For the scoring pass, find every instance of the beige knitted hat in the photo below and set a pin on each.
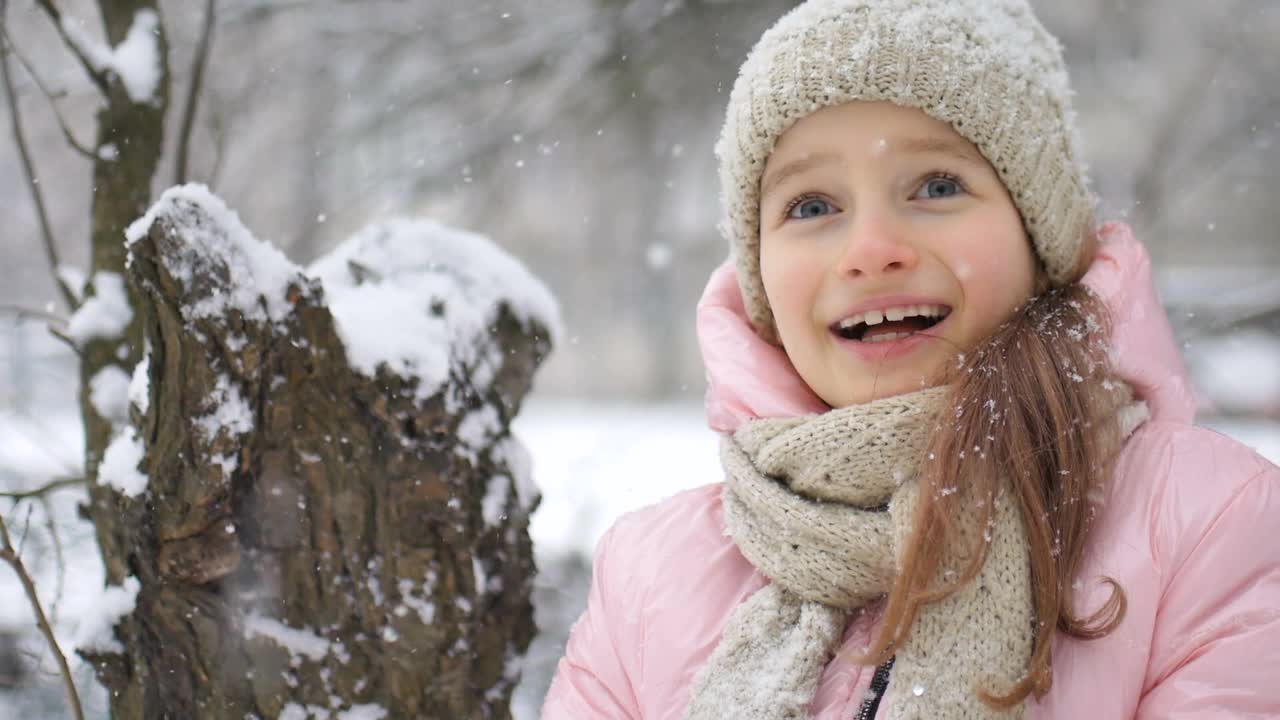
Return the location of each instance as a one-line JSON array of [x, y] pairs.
[[986, 67]]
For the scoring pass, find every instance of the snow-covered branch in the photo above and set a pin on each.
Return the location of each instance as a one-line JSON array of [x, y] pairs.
[[14, 559], [94, 72]]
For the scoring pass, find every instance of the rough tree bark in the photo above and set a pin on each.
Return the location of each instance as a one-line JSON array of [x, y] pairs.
[[328, 547], [134, 132]]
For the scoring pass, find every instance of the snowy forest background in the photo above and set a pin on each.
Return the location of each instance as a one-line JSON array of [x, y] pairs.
[[577, 135]]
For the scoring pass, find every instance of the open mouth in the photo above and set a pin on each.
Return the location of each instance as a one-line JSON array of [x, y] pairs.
[[889, 324]]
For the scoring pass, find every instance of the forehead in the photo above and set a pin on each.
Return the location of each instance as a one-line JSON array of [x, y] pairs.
[[861, 132], [874, 127]]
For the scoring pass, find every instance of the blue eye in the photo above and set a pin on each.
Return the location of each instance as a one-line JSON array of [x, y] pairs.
[[809, 208], [940, 186]]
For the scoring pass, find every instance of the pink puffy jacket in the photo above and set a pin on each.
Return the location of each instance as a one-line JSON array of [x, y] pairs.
[[1189, 531]]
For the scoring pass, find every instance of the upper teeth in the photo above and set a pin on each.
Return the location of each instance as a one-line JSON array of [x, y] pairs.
[[875, 317]]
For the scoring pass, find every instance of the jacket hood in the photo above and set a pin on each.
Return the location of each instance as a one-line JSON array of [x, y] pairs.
[[749, 378]]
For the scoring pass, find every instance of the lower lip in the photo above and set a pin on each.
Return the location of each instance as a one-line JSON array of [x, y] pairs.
[[885, 349]]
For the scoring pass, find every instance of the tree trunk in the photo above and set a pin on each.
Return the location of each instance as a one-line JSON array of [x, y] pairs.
[[121, 193], [311, 539]]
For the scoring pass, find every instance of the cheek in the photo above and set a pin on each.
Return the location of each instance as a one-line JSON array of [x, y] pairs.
[[995, 281], [784, 283]]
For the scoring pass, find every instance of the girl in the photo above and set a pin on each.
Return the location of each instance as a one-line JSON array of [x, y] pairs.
[[960, 475]]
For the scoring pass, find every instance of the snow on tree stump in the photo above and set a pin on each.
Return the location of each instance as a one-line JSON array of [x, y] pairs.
[[318, 499]]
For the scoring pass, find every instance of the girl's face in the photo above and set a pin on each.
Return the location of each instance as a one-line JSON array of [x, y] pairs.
[[888, 245]]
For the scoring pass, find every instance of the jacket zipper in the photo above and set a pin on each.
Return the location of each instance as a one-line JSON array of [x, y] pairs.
[[879, 682]]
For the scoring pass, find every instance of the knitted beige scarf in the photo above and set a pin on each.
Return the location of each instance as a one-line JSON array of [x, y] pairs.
[[819, 505]]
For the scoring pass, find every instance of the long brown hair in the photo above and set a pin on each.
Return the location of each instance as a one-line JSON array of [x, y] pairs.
[[1035, 409]]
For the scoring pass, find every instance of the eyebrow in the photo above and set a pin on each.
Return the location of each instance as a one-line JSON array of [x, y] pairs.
[[793, 168], [956, 149]]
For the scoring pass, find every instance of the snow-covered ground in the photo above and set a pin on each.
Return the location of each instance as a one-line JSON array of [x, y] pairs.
[[593, 462], [1238, 373]]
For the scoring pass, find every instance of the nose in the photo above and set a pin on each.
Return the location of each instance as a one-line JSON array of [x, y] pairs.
[[876, 245]]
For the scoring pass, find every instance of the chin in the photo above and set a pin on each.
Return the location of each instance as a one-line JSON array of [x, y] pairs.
[[862, 397], [879, 391]]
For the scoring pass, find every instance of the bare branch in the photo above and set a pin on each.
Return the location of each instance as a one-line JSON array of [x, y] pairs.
[[65, 338], [51, 96], [193, 93], [43, 490], [1211, 169], [219, 131], [15, 561], [59, 559], [19, 137], [98, 77], [25, 313], [262, 10], [26, 529]]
